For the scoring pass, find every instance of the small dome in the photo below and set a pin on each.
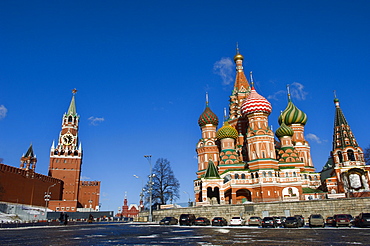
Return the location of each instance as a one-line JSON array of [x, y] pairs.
[[255, 103], [208, 117], [292, 115], [238, 57], [227, 131], [284, 130]]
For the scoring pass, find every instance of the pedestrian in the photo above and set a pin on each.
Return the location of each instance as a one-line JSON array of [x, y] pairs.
[[90, 219], [61, 217], [65, 218]]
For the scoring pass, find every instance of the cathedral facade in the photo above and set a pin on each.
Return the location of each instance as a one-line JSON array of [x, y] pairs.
[[243, 161]]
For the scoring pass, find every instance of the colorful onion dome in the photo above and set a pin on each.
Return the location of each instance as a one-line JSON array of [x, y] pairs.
[[292, 115], [284, 130], [207, 117], [255, 103], [227, 131]]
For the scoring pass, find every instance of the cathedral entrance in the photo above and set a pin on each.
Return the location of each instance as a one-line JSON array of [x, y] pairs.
[[243, 195], [213, 195]]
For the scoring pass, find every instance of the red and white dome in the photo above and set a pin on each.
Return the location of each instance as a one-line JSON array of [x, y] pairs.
[[255, 103]]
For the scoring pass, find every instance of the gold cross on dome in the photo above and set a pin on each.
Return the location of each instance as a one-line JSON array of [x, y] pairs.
[[74, 91]]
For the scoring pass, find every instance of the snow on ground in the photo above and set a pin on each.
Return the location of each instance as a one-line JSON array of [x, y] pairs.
[[4, 218]]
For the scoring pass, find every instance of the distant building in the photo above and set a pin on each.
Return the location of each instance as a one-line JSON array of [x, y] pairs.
[[129, 211]]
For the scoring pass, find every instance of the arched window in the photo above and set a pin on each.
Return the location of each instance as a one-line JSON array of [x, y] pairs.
[[243, 176], [305, 176], [351, 155], [236, 176], [286, 174], [340, 156], [257, 175], [270, 174], [294, 174], [263, 174], [70, 119], [252, 175]]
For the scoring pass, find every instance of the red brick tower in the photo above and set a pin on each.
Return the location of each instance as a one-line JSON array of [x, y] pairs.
[[66, 158]]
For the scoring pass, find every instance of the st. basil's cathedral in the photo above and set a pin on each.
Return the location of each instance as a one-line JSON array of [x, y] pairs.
[[243, 161]]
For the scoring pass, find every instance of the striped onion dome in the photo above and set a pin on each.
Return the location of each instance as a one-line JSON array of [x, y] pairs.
[[207, 117], [292, 115], [255, 103], [284, 130], [227, 131]]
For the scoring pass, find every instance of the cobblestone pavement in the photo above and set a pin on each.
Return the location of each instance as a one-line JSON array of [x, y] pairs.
[[146, 234]]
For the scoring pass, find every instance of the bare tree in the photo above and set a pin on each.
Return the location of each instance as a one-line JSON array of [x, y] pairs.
[[367, 155], [165, 185]]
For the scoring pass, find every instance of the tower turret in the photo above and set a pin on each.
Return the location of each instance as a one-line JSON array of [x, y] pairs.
[[29, 160]]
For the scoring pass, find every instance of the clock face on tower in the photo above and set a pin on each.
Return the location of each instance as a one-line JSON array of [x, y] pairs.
[[67, 139]]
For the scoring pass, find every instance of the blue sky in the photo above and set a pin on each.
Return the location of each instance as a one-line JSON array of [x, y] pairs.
[[142, 70]]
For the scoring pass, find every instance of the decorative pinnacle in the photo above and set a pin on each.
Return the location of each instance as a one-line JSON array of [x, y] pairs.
[[288, 89], [207, 98], [251, 75], [237, 48], [335, 94], [74, 91]]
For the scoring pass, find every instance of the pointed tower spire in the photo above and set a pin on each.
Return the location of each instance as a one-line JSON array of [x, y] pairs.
[[72, 105], [28, 160], [211, 171]]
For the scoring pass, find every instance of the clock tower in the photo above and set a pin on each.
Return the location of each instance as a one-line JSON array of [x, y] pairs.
[[66, 156]]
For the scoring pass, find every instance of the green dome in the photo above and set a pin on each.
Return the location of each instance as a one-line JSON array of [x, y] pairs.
[[207, 117], [227, 131], [292, 115], [284, 130]]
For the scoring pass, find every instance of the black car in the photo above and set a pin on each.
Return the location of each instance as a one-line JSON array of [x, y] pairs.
[[300, 220], [269, 222], [291, 222], [187, 219], [168, 221], [202, 221], [362, 220], [219, 221]]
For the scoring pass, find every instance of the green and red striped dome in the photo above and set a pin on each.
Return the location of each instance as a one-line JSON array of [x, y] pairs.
[[207, 117]]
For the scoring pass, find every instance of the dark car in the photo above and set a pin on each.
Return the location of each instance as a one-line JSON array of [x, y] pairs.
[[291, 222], [219, 221], [342, 220], [329, 220], [255, 220], [300, 220], [269, 222], [316, 220], [202, 221], [362, 220], [187, 219], [168, 221]]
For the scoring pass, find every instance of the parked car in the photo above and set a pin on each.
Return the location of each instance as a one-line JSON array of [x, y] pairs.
[[269, 222], [237, 221], [316, 220], [187, 219], [169, 221], [291, 222], [362, 220], [329, 220], [202, 221], [255, 220], [278, 220], [342, 220], [300, 220], [219, 221]]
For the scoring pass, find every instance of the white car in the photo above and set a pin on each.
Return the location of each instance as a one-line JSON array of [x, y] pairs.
[[237, 221]]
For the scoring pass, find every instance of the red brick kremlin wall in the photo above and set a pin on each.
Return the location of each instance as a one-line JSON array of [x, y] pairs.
[[27, 187]]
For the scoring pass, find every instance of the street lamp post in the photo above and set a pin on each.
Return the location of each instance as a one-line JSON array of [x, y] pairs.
[[47, 199], [189, 202], [149, 158], [141, 193]]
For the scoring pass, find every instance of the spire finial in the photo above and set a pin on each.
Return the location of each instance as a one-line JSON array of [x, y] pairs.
[[251, 75], [335, 94], [207, 98], [288, 89], [225, 115], [74, 91], [237, 48]]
